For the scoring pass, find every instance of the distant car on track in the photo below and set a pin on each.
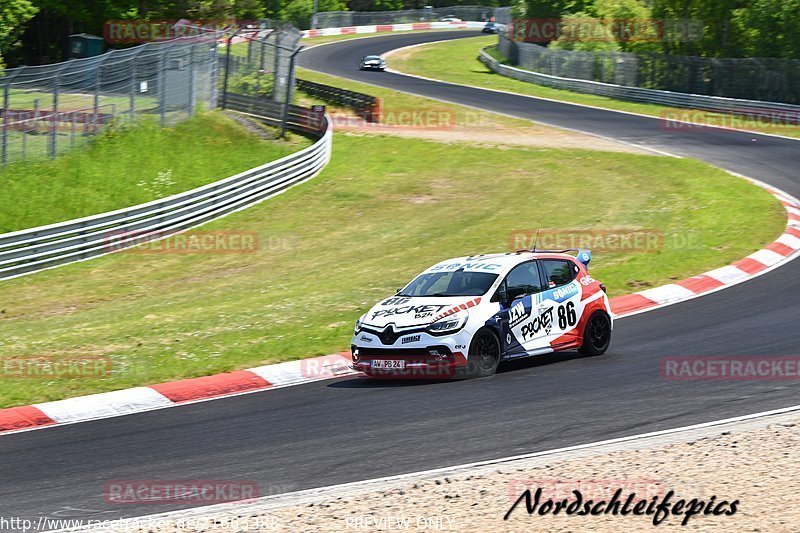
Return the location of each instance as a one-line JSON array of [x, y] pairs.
[[491, 27], [372, 63], [450, 18], [461, 317]]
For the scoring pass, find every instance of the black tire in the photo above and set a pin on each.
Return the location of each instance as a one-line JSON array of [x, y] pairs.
[[596, 334], [484, 354]]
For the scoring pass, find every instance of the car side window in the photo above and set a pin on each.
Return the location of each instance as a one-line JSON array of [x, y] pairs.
[[524, 277], [559, 272]]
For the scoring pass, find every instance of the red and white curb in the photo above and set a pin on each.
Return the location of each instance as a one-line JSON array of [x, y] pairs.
[[379, 28], [371, 28], [780, 251], [163, 395]]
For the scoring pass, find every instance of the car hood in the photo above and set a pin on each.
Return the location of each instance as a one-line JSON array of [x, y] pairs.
[[404, 311]]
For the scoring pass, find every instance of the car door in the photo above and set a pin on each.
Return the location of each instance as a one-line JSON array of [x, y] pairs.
[[561, 299], [524, 326]]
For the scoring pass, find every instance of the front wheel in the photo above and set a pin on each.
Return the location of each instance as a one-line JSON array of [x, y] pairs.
[[596, 334], [484, 354]]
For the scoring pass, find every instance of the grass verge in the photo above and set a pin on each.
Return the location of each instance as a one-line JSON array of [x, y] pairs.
[[456, 61], [383, 209], [395, 103], [128, 165]]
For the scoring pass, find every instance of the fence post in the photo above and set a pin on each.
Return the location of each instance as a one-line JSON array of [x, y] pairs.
[[52, 141], [192, 88], [36, 107], [227, 69], [288, 95], [6, 97], [162, 84], [97, 82], [213, 78], [133, 87]]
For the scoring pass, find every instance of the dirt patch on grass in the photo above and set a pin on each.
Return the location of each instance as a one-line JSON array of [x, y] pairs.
[[495, 136]]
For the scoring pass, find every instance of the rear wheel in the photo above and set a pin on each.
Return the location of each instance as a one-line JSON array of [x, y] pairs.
[[484, 354], [596, 334]]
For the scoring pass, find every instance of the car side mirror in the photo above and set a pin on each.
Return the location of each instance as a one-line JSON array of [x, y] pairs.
[[512, 293]]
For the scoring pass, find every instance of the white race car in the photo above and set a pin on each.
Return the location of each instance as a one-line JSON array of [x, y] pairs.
[[461, 317]]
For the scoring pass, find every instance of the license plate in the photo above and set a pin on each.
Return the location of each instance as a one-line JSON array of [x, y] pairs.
[[388, 364]]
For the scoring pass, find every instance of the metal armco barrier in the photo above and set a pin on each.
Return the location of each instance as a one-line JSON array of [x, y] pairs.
[[787, 112], [365, 106], [34, 249]]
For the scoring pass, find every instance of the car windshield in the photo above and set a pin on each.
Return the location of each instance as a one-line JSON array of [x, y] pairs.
[[457, 283], [370, 58]]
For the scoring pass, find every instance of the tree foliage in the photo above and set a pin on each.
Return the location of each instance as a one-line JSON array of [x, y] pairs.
[[712, 28], [13, 15]]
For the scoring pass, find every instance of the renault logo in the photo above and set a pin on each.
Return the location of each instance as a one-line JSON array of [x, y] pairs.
[[388, 335]]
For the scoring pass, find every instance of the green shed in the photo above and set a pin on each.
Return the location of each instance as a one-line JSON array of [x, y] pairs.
[[85, 45]]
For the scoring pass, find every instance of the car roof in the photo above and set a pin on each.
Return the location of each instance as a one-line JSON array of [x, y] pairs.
[[495, 263]]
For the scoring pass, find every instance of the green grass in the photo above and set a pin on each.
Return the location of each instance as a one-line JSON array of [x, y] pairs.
[[128, 165], [398, 102], [383, 209], [456, 61]]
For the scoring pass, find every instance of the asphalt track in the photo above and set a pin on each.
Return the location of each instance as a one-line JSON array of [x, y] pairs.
[[352, 429]]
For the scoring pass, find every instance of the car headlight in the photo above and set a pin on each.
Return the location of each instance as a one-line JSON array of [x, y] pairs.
[[359, 324], [447, 326]]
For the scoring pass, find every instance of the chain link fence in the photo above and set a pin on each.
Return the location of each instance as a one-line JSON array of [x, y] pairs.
[[764, 79], [261, 63], [338, 19], [49, 109]]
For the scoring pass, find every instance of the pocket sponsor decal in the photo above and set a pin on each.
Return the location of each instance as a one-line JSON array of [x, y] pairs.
[[416, 309], [542, 322], [410, 338]]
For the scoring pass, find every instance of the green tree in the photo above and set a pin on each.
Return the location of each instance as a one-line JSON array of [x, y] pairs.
[[770, 28], [13, 16], [299, 12], [583, 33]]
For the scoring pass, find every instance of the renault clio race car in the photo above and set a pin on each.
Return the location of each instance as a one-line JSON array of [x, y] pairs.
[[462, 316]]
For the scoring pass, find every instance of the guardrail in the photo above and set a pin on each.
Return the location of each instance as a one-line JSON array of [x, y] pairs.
[[34, 249], [719, 104], [365, 106]]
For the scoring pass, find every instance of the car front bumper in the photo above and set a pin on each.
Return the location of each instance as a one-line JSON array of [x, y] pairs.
[[431, 362]]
